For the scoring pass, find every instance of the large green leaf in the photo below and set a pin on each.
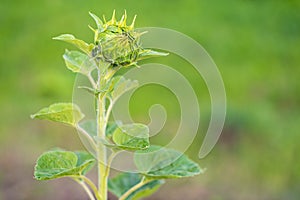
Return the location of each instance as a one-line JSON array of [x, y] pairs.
[[57, 164], [161, 163], [87, 48], [79, 62], [131, 136], [67, 113], [124, 181], [119, 85]]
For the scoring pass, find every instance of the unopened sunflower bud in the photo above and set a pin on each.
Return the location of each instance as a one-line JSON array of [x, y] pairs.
[[118, 44]]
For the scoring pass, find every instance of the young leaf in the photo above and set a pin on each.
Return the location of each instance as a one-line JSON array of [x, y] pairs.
[[80, 44], [67, 113], [98, 21], [89, 90], [161, 163], [79, 62], [148, 53], [120, 85], [124, 181], [57, 164], [131, 136]]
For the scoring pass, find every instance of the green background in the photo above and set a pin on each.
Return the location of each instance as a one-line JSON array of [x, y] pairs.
[[255, 45]]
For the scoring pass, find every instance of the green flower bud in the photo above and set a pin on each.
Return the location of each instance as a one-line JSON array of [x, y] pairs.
[[118, 44]]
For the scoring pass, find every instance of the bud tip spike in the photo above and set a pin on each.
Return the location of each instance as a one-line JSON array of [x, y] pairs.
[[133, 21]]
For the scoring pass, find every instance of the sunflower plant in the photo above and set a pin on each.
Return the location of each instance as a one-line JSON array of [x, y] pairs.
[[116, 45]]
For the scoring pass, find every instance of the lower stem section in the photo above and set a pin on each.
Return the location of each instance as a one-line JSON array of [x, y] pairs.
[[102, 182], [101, 150]]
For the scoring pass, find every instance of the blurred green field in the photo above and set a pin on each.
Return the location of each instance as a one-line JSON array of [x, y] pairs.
[[255, 44]]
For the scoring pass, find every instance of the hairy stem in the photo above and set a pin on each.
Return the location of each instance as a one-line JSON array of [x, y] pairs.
[[92, 186], [92, 81], [110, 159], [109, 109], [102, 119], [85, 187], [91, 141], [101, 151], [83, 180]]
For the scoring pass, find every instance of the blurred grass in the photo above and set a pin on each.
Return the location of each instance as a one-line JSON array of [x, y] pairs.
[[254, 43]]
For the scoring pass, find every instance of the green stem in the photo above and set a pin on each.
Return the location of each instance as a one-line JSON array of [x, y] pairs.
[[101, 121], [85, 187], [109, 109], [87, 135], [92, 81], [86, 180], [134, 188], [92, 186], [110, 159]]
